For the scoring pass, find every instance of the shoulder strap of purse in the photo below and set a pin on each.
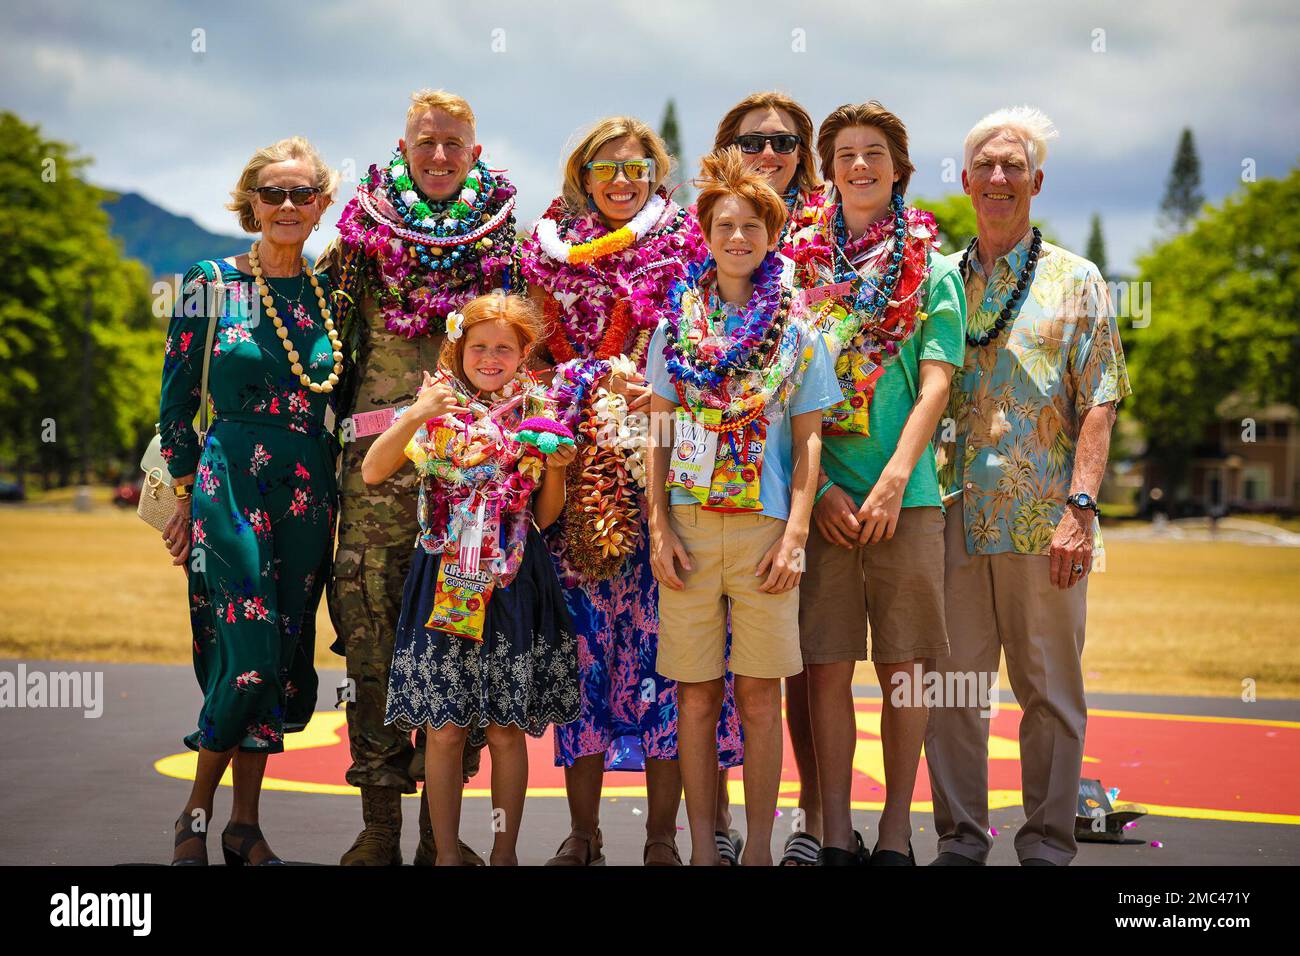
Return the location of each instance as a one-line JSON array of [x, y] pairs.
[[216, 307]]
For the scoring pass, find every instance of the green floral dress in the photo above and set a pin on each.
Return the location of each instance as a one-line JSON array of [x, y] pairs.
[[263, 508]]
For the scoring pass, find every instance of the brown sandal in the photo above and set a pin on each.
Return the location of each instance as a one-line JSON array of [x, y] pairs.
[[672, 848], [590, 853]]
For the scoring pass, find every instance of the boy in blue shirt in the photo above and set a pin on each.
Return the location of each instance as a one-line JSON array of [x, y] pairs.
[[743, 384]]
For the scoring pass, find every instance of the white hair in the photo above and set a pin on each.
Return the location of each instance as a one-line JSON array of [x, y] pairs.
[[1029, 124]]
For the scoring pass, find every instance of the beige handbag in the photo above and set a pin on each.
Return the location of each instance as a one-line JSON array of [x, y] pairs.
[[157, 499]]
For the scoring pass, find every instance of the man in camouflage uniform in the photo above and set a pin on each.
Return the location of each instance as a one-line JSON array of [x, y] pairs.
[[392, 319]]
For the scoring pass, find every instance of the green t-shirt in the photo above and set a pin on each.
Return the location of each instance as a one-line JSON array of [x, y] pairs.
[[854, 462]]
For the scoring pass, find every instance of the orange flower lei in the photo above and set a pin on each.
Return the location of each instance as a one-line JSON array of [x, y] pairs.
[[611, 344]]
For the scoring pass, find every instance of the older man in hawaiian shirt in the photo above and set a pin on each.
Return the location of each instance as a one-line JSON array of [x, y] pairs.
[[1021, 460]]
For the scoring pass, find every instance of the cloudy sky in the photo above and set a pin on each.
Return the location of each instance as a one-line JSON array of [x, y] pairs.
[[123, 81]]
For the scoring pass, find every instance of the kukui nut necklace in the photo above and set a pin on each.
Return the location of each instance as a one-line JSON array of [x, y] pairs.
[[1012, 306], [263, 290]]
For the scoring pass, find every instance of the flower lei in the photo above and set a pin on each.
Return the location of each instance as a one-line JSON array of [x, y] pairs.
[[487, 454], [751, 368], [604, 301], [548, 235], [586, 318], [422, 259], [887, 267], [697, 354]]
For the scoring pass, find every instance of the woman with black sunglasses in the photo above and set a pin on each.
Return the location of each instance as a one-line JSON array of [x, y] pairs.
[[256, 496], [775, 137], [600, 264]]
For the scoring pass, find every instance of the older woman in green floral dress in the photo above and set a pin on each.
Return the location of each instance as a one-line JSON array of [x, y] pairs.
[[255, 519]]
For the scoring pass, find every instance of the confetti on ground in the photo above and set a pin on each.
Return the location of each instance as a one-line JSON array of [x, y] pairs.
[[1113, 793], [993, 831], [637, 811], [1157, 844]]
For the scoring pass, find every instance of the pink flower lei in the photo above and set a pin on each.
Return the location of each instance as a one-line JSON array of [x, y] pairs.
[[642, 273], [414, 299]]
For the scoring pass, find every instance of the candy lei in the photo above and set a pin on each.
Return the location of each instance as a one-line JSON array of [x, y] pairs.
[[806, 212], [479, 456], [738, 373], [420, 258]]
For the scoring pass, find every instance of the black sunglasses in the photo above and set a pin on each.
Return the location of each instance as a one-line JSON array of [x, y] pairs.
[[753, 143], [298, 195]]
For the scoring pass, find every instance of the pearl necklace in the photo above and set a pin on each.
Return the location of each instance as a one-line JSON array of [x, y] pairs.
[[336, 346]]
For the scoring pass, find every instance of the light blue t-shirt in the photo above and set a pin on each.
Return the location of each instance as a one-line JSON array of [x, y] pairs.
[[819, 390]]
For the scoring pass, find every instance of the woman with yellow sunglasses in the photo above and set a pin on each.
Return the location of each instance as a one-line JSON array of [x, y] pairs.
[[599, 265]]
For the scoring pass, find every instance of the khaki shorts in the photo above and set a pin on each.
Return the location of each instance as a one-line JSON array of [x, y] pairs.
[[725, 549], [897, 584]]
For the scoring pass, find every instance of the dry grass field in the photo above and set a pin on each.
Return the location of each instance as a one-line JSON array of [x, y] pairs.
[[1165, 618]]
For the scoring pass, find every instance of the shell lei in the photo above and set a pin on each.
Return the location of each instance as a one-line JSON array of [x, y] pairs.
[[602, 502], [604, 301], [463, 458]]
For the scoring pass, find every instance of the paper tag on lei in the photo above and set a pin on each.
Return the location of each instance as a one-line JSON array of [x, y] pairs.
[[460, 601], [787, 270], [376, 422], [695, 449], [819, 294]]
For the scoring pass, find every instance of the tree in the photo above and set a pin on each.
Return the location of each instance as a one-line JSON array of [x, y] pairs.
[[1224, 320], [1096, 251], [1183, 196], [672, 137], [79, 344]]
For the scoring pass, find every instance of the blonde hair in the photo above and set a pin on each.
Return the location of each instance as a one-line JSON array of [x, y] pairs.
[[873, 115], [295, 147], [602, 134], [805, 177], [1031, 126], [725, 174], [515, 311], [427, 99]]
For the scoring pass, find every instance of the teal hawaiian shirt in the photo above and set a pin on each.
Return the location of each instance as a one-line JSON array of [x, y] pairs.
[[1007, 442]]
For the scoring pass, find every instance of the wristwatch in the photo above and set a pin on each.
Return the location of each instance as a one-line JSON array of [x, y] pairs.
[[1084, 501]]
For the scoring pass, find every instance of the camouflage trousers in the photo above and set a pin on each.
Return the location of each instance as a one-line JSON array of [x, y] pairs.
[[365, 601]]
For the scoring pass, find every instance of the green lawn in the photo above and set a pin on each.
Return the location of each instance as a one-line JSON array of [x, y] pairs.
[[1166, 618]]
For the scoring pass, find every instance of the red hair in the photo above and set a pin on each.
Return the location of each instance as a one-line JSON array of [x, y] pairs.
[[516, 312], [723, 174]]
